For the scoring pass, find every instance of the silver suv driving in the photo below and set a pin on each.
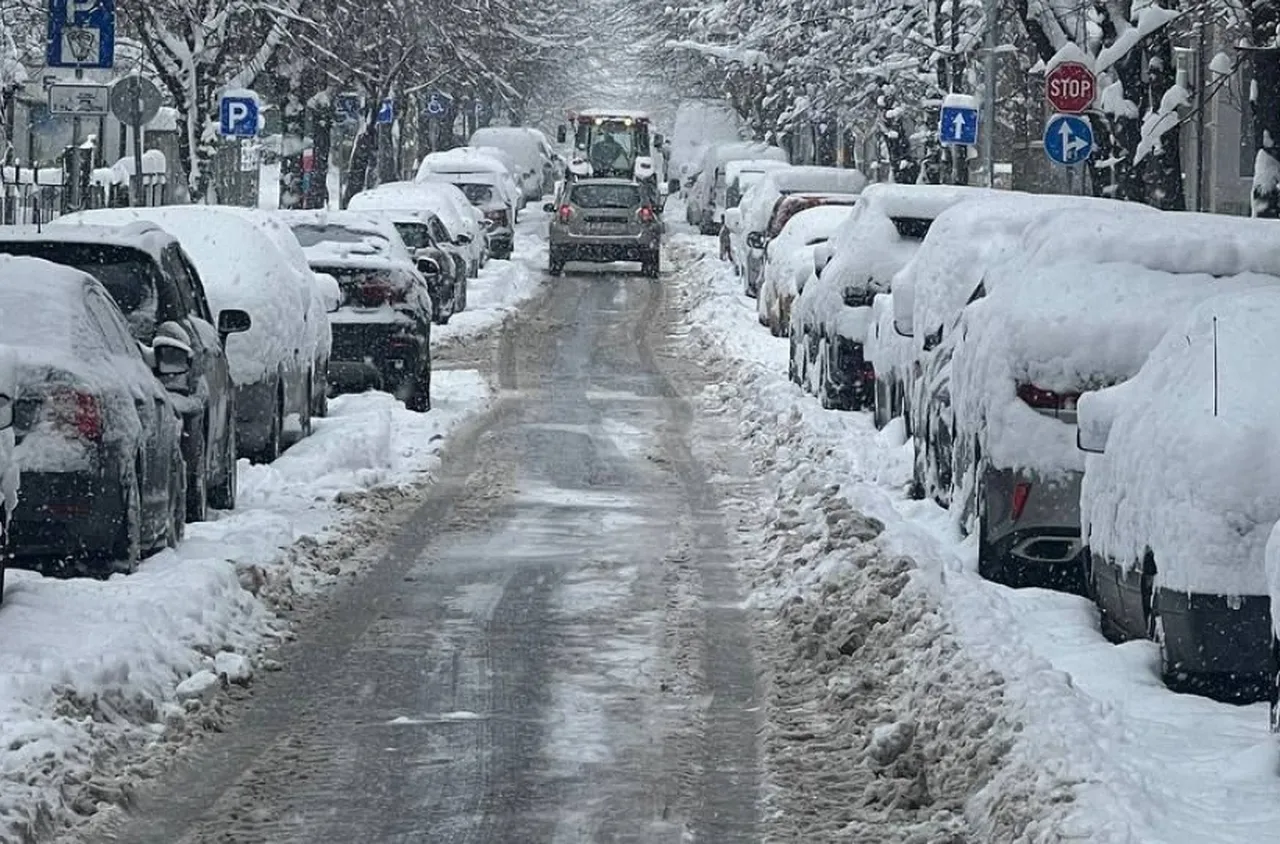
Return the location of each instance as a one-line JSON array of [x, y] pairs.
[[605, 220]]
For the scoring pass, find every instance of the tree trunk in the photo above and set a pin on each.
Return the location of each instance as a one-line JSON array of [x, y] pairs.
[[1265, 100], [195, 159], [362, 153], [322, 146], [1162, 171]]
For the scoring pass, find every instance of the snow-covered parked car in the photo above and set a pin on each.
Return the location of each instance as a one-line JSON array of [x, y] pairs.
[[740, 176], [158, 288], [930, 293], [273, 364], [425, 237], [831, 316], [382, 331], [486, 183], [528, 150], [789, 261], [1047, 326], [462, 220], [772, 201], [701, 207], [98, 437], [1178, 507]]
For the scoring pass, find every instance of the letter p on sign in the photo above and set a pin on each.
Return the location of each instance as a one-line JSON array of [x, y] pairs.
[[239, 117]]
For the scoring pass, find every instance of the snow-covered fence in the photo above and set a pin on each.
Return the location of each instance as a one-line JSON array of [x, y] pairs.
[[30, 194]]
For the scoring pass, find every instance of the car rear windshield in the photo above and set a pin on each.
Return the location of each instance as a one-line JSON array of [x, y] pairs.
[[312, 234], [127, 273], [475, 192], [415, 235], [606, 196]]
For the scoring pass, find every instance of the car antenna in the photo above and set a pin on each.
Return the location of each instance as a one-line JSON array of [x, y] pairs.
[[1215, 365]]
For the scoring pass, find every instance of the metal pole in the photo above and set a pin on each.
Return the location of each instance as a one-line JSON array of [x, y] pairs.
[[139, 197], [987, 141]]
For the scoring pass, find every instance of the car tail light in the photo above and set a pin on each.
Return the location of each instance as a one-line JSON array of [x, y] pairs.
[[1047, 400], [78, 411], [372, 294], [566, 213], [646, 214], [1021, 492]]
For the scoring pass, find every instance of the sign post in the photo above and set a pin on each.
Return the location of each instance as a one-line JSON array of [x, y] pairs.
[[135, 101]]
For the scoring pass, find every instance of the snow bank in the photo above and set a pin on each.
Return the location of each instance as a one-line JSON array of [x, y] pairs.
[[1196, 483], [241, 267]]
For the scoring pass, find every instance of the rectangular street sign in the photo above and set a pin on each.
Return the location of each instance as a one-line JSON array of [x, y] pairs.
[[81, 33], [79, 99], [958, 125]]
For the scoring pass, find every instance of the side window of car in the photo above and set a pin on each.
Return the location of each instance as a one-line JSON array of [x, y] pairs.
[[106, 316], [438, 232], [187, 283]]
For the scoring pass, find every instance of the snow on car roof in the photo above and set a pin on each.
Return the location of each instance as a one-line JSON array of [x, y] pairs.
[[241, 267], [964, 242], [1192, 459], [75, 227], [738, 167], [824, 179], [440, 197], [460, 160], [1064, 327]]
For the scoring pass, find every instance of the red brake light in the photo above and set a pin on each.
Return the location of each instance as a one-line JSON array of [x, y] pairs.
[[646, 214], [1021, 492], [1046, 399], [566, 213], [78, 411]]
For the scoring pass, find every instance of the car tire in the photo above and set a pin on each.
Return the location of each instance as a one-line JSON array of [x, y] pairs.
[[308, 404], [197, 486], [651, 267], [176, 529], [989, 567], [222, 495], [320, 397], [419, 400], [127, 549]]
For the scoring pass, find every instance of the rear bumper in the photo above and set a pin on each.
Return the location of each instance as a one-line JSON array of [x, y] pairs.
[[603, 249], [65, 515], [1041, 546], [1204, 636], [380, 356]]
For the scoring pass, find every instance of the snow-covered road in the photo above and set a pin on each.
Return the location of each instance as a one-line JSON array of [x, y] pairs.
[[914, 701], [90, 670]]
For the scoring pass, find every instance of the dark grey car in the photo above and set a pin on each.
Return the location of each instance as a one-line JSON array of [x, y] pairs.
[[605, 220]]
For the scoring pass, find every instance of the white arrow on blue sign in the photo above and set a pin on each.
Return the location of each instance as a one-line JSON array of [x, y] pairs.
[[238, 117], [387, 113], [958, 125], [1068, 139]]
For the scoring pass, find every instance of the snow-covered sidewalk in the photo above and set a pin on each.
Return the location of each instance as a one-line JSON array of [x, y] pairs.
[[910, 697], [91, 670]]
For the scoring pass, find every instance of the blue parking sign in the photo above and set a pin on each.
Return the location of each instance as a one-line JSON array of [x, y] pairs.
[[387, 113], [238, 117]]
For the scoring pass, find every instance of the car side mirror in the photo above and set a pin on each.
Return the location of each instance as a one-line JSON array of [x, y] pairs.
[[462, 240], [6, 412], [755, 240], [233, 321], [429, 268], [549, 207], [330, 292], [561, 134], [933, 340], [171, 357], [1094, 417]]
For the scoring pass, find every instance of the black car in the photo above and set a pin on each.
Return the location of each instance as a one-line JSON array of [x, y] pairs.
[[98, 437], [426, 237], [160, 293]]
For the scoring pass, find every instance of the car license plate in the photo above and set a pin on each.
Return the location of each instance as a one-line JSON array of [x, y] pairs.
[[606, 228]]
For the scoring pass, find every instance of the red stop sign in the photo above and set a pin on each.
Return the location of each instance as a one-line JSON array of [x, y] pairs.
[[1070, 88]]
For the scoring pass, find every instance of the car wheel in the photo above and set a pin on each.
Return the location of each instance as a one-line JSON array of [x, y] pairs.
[[320, 397], [555, 263], [222, 495], [1274, 688], [652, 267], [419, 400], [127, 549], [989, 566], [176, 529], [271, 450], [308, 405], [197, 472]]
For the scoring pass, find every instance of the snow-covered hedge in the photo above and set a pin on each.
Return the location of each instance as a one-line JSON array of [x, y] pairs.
[[1192, 463]]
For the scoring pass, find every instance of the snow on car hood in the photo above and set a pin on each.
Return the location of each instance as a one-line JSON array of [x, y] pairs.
[[1200, 488]]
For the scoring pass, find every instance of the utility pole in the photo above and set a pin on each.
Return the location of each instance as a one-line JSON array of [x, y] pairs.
[[987, 137]]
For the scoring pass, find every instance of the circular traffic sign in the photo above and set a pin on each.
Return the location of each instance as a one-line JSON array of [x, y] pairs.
[[1068, 139], [135, 100], [1070, 88]]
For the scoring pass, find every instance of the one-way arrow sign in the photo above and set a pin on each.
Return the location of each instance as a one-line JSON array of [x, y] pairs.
[[958, 123]]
